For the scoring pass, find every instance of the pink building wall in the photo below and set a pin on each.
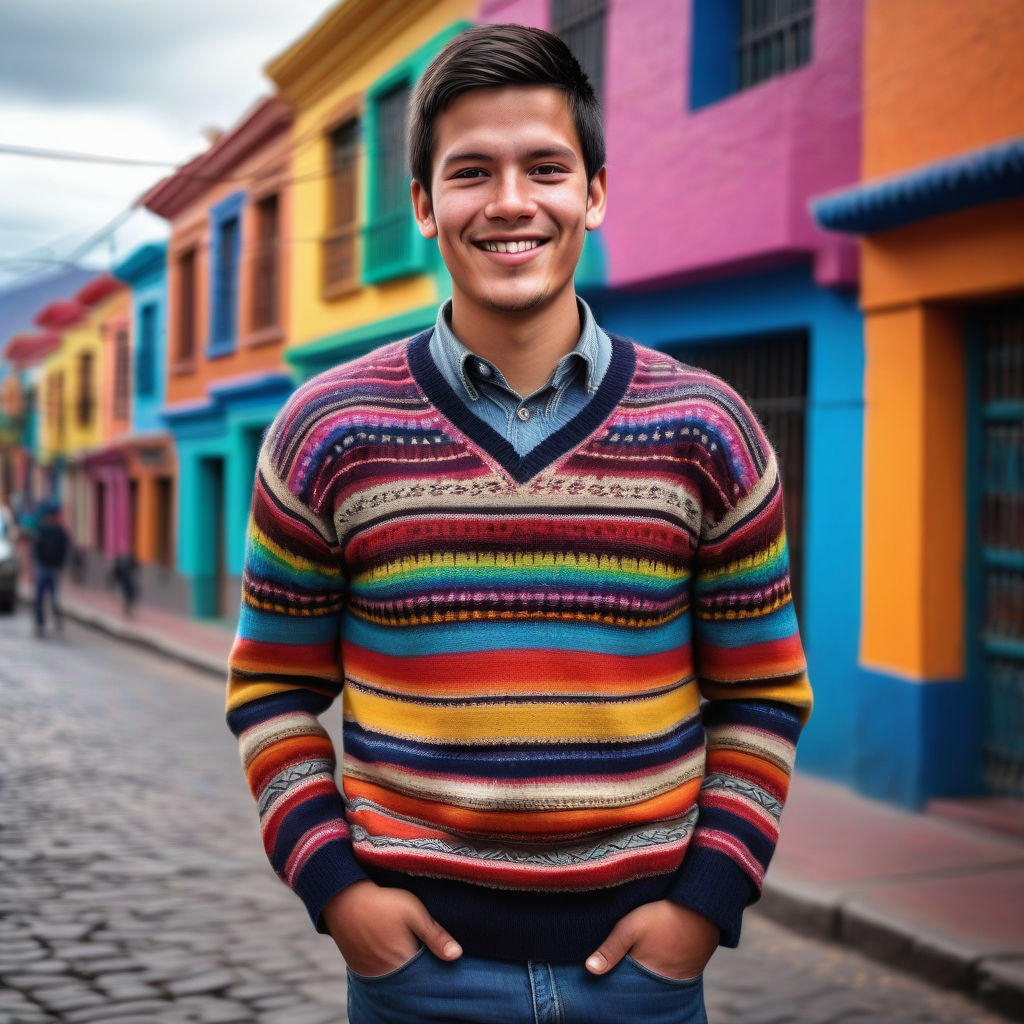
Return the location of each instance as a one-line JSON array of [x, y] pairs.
[[694, 194]]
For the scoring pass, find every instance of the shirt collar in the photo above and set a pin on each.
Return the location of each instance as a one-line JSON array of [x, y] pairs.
[[458, 364]]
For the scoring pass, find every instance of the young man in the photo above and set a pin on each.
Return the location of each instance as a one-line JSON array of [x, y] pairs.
[[522, 550]]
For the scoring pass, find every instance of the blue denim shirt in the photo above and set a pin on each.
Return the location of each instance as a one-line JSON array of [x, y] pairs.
[[523, 421]]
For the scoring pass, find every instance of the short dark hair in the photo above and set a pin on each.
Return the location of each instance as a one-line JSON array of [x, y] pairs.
[[492, 56]]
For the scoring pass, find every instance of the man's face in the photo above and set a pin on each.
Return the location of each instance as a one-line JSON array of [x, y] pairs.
[[510, 198]]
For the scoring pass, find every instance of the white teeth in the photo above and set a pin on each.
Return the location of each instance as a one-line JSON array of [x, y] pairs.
[[510, 246]]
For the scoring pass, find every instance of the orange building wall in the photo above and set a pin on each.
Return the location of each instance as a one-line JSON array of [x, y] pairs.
[[253, 354], [940, 77], [914, 467]]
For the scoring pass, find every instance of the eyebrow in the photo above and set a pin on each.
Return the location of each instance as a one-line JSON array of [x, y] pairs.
[[544, 153]]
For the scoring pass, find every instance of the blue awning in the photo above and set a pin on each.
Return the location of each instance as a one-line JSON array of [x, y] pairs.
[[971, 179]]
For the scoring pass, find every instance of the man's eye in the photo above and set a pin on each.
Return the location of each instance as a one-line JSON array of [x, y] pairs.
[[470, 172], [547, 169]]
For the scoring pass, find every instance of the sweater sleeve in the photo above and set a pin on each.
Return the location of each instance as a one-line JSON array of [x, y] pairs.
[[285, 671], [751, 671]]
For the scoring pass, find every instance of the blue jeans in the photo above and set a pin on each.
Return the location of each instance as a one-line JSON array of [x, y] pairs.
[[425, 990], [46, 584]]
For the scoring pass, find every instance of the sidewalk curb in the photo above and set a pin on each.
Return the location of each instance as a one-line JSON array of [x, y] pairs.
[[129, 633], [992, 978]]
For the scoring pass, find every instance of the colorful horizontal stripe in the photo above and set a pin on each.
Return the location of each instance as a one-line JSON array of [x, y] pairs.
[[521, 644]]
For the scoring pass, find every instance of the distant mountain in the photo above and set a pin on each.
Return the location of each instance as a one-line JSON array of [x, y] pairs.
[[20, 303]]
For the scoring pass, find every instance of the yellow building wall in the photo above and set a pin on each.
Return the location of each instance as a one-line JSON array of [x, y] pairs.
[[316, 112], [87, 336]]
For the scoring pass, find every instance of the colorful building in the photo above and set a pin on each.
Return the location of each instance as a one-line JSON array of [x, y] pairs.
[[939, 210], [227, 321], [361, 274], [76, 429], [150, 458], [722, 121]]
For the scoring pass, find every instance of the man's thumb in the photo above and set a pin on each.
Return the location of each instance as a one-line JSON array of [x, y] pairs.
[[437, 940], [611, 951]]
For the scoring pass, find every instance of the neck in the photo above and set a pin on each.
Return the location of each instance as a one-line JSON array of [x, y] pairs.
[[526, 345]]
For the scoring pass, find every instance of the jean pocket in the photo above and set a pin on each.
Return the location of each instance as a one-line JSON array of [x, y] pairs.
[[663, 978], [373, 979]]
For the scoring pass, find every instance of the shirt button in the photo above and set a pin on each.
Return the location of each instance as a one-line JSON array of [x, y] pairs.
[[483, 369], [523, 413]]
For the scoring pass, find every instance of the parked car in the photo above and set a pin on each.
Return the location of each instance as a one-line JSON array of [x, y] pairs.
[[9, 565]]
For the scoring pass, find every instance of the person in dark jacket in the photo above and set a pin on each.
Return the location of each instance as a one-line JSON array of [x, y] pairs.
[[50, 549]]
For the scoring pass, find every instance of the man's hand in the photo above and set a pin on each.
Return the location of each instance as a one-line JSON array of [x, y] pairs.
[[670, 939], [378, 930]]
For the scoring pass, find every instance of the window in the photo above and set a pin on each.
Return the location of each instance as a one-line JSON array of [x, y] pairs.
[[389, 242], [580, 23], [736, 44], [86, 393], [770, 372], [186, 307], [266, 263], [163, 511], [145, 355], [339, 245], [775, 37], [226, 238], [55, 403], [122, 374]]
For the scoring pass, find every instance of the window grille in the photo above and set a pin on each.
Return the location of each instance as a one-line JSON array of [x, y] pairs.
[[122, 374], [389, 237], [225, 282], [339, 244], [771, 374], [999, 545], [581, 25], [775, 37], [56, 404], [187, 306], [86, 393], [145, 356], [265, 280]]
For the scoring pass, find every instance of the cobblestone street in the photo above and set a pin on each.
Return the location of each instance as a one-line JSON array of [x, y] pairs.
[[134, 887]]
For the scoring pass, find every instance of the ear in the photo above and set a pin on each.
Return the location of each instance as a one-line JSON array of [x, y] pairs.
[[597, 197], [423, 210]]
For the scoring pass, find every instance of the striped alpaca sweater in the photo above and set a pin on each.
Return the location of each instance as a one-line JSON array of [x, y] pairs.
[[521, 644]]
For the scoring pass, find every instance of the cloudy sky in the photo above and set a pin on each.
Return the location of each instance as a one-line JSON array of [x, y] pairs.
[[139, 79]]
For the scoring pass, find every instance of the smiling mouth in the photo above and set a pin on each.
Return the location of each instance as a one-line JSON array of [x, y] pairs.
[[523, 246]]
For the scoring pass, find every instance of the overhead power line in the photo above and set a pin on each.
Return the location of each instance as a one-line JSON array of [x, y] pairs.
[[38, 153]]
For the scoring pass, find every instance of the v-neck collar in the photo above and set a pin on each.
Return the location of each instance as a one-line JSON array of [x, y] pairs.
[[523, 467]]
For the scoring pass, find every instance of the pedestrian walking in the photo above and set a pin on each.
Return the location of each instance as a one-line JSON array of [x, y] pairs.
[[123, 575], [546, 570], [50, 547]]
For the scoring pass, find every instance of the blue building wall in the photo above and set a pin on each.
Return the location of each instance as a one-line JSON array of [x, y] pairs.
[[776, 301], [218, 443], [145, 270]]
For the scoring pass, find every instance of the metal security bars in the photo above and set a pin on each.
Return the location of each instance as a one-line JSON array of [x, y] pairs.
[[580, 24], [186, 334], [1000, 535], [265, 265], [225, 281], [771, 374], [122, 374], [339, 244], [775, 37], [389, 237], [145, 356]]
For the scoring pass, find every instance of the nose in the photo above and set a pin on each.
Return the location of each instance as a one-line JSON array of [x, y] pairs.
[[511, 198]]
